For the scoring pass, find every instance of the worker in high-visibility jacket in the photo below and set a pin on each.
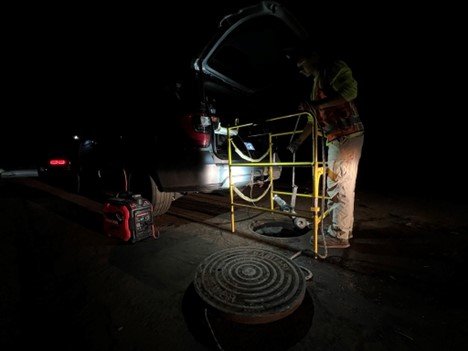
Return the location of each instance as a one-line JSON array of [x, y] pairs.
[[332, 102]]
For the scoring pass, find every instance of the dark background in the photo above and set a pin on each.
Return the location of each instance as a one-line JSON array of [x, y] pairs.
[[71, 66]]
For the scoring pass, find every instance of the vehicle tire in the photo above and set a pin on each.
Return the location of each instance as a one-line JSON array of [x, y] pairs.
[[146, 186]]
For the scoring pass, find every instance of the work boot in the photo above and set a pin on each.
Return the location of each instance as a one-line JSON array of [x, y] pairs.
[[333, 243]]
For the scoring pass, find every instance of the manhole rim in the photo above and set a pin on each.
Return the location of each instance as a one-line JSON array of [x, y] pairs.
[[254, 226], [252, 317]]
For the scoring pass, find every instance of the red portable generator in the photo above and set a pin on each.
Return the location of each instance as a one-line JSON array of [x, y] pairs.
[[128, 217]]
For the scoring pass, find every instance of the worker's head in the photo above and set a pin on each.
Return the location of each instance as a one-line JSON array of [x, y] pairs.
[[308, 63], [307, 57]]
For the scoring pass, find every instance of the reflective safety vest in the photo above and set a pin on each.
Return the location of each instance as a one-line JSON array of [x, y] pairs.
[[340, 120]]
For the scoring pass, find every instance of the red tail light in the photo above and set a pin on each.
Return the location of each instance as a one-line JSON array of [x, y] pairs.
[[198, 128], [58, 162]]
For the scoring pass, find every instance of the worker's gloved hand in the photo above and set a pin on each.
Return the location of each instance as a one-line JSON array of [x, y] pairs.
[[293, 146]]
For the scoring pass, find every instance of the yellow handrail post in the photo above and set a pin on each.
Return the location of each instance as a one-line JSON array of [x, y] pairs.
[[231, 185], [270, 171]]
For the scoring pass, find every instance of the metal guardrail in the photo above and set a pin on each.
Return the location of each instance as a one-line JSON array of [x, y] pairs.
[[317, 211]]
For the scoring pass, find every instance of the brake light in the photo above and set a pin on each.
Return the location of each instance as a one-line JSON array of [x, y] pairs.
[[198, 128], [58, 162], [201, 123]]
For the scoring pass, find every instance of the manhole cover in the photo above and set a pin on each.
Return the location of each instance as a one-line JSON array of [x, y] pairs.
[[250, 285]]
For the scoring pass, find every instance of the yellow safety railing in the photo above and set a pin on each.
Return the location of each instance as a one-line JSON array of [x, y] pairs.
[[315, 213]]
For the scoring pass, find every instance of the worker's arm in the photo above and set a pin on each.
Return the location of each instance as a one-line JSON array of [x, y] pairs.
[[305, 132], [301, 138], [343, 84]]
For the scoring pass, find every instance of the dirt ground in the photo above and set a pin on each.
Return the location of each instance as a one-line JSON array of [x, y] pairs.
[[65, 285]]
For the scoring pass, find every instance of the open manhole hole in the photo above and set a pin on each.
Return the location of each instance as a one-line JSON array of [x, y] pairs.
[[278, 229], [250, 285]]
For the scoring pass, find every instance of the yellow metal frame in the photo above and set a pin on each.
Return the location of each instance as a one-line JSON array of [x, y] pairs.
[[315, 214]]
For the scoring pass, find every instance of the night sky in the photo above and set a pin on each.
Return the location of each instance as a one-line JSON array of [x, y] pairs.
[[85, 64]]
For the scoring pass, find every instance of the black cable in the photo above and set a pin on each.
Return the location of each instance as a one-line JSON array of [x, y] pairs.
[[218, 345], [240, 220]]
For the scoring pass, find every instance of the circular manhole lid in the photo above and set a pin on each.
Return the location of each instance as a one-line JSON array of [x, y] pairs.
[[250, 285]]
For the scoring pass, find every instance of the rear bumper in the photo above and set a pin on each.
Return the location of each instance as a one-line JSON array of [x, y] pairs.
[[207, 178], [203, 171]]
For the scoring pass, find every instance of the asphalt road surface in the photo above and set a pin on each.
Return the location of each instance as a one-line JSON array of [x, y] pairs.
[[65, 285]]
